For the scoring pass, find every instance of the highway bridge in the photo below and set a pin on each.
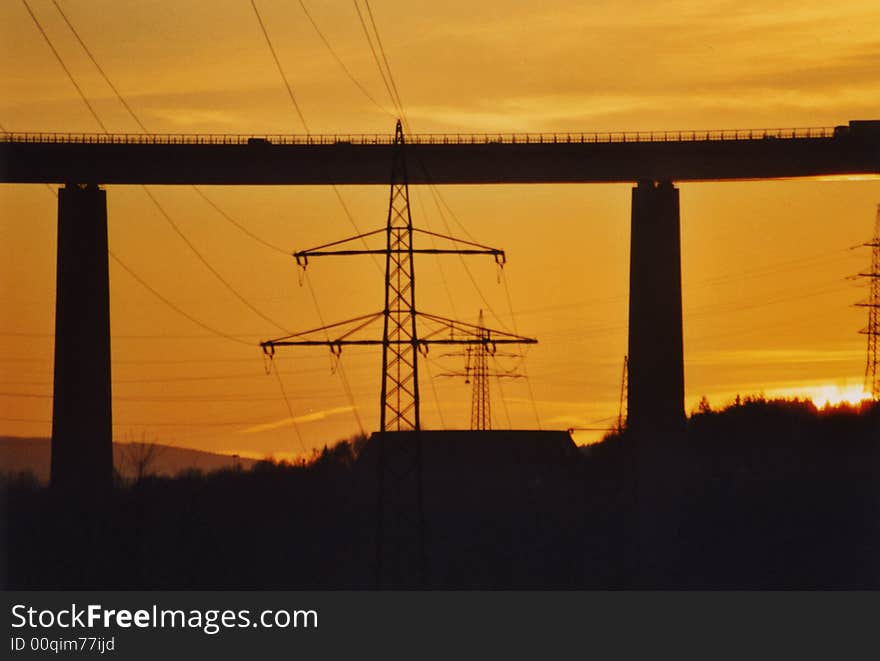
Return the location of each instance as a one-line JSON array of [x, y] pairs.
[[504, 158], [653, 161]]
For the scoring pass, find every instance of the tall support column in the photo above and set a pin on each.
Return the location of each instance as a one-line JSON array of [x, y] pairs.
[[82, 440], [655, 395]]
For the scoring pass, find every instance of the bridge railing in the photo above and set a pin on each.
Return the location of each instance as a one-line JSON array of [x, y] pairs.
[[257, 140]]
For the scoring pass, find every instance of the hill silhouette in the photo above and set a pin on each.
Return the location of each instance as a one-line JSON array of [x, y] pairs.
[[31, 455], [763, 494]]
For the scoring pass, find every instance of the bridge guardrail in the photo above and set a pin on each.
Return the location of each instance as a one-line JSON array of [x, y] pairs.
[[420, 138]]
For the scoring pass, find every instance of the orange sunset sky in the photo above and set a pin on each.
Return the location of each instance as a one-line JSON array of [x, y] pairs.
[[767, 303]]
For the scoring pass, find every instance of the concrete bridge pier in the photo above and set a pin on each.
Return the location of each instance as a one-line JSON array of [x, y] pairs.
[[655, 395], [82, 431], [655, 412]]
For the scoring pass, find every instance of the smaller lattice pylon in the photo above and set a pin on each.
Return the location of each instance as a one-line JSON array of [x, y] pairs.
[[621, 414], [872, 329], [477, 373]]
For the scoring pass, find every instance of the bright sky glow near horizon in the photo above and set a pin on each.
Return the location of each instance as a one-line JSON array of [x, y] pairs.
[[767, 303]]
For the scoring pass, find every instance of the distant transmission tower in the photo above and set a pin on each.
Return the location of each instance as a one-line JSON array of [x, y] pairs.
[[481, 410], [872, 330], [621, 415], [477, 373], [406, 332]]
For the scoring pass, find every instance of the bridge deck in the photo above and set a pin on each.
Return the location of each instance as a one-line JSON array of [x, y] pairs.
[[438, 158]]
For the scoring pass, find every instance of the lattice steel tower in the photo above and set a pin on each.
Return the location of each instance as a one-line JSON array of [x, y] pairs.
[[478, 374], [400, 364], [402, 340], [872, 330], [481, 411], [406, 332]]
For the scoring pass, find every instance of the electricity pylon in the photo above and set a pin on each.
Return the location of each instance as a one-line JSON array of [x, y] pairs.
[[872, 330], [621, 417], [477, 373], [406, 333], [481, 410]]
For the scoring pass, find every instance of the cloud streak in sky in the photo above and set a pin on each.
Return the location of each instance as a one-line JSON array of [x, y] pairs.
[[315, 416]]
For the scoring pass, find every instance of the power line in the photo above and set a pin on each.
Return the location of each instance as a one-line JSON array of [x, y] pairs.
[[237, 224], [202, 195], [159, 296], [209, 423], [436, 396], [239, 375], [98, 67], [727, 278], [341, 369], [437, 198], [143, 128], [436, 195], [146, 190], [385, 59], [498, 378], [435, 192], [287, 85], [171, 399], [809, 261], [166, 379], [26, 395], [705, 311], [153, 291], [378, 62], [174, 307], [522, 362], [341, 63], [207, 264], [232, 398], [135, 336], [64, 66], [391, 87], [352, 222], [158, 361], [150, 195], [339, 366], [289, 407], [280, 68]]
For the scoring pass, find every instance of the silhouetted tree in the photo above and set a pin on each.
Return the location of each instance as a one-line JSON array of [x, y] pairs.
[[138, 460]]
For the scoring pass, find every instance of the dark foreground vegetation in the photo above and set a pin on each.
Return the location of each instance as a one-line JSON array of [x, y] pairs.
[[764, 494]]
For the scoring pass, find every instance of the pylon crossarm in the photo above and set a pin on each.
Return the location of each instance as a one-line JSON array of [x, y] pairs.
[[302, 258], [269, 345], [500, 375], [481, 249], [475, 340], [484, 335], [311, 251], [294, 338], [319, 343]]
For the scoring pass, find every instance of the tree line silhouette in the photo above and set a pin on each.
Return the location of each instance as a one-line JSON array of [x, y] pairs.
[[761, 494]]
